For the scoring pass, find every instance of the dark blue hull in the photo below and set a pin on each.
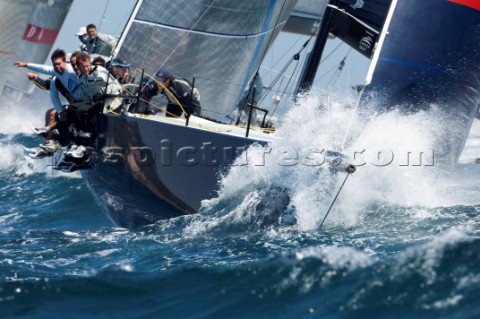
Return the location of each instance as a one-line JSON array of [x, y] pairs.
[[146, 170], [430, 60]]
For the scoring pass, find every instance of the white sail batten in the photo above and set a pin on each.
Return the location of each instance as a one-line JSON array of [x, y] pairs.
[[213, 34]]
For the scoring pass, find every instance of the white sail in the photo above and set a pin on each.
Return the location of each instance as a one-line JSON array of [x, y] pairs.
[[14, 15]]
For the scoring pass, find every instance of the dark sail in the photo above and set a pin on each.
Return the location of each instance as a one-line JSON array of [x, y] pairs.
[[418, 64], [428, 65], [359, 23]]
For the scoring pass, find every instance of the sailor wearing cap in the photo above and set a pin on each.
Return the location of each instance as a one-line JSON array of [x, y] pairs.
[[82, 35], [120, 70], [178, 93]]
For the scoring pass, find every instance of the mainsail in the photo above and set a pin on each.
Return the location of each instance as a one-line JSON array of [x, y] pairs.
[[35, 38], [220, 42]]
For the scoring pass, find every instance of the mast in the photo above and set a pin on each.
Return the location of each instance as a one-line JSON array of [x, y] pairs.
[[127, 27], [358, 23], [310, 68]]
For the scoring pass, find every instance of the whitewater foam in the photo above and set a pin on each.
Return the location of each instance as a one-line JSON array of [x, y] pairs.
[[15, 126], [406, 175], [19, 117]]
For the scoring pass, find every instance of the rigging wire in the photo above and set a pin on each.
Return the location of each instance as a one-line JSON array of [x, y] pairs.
[[281, 73], [283, 70], [283, 92], [336, 74], [103, 15], [325, 74], [350, 170], [332, 52], [291, 47]]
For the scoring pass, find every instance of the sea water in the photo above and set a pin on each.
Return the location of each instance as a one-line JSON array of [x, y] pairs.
[[400, 241]]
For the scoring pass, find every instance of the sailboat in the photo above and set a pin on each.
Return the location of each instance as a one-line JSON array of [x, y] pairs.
[[29, 30], [148, 168]]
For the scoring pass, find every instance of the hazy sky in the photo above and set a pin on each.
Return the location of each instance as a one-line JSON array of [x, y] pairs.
[[84, 12]]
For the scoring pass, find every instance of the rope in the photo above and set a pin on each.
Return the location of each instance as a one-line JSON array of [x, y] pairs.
[[174, 97], [168, 91], [350, 169], [338, 68]]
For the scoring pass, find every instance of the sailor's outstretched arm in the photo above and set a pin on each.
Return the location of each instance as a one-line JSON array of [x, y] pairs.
[[41, 68]]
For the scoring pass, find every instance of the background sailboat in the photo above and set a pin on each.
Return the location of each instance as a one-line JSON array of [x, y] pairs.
[[29, 32], [14, 15]]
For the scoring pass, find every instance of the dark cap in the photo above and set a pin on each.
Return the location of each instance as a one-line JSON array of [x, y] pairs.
[[163, 74], [120, 63]]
